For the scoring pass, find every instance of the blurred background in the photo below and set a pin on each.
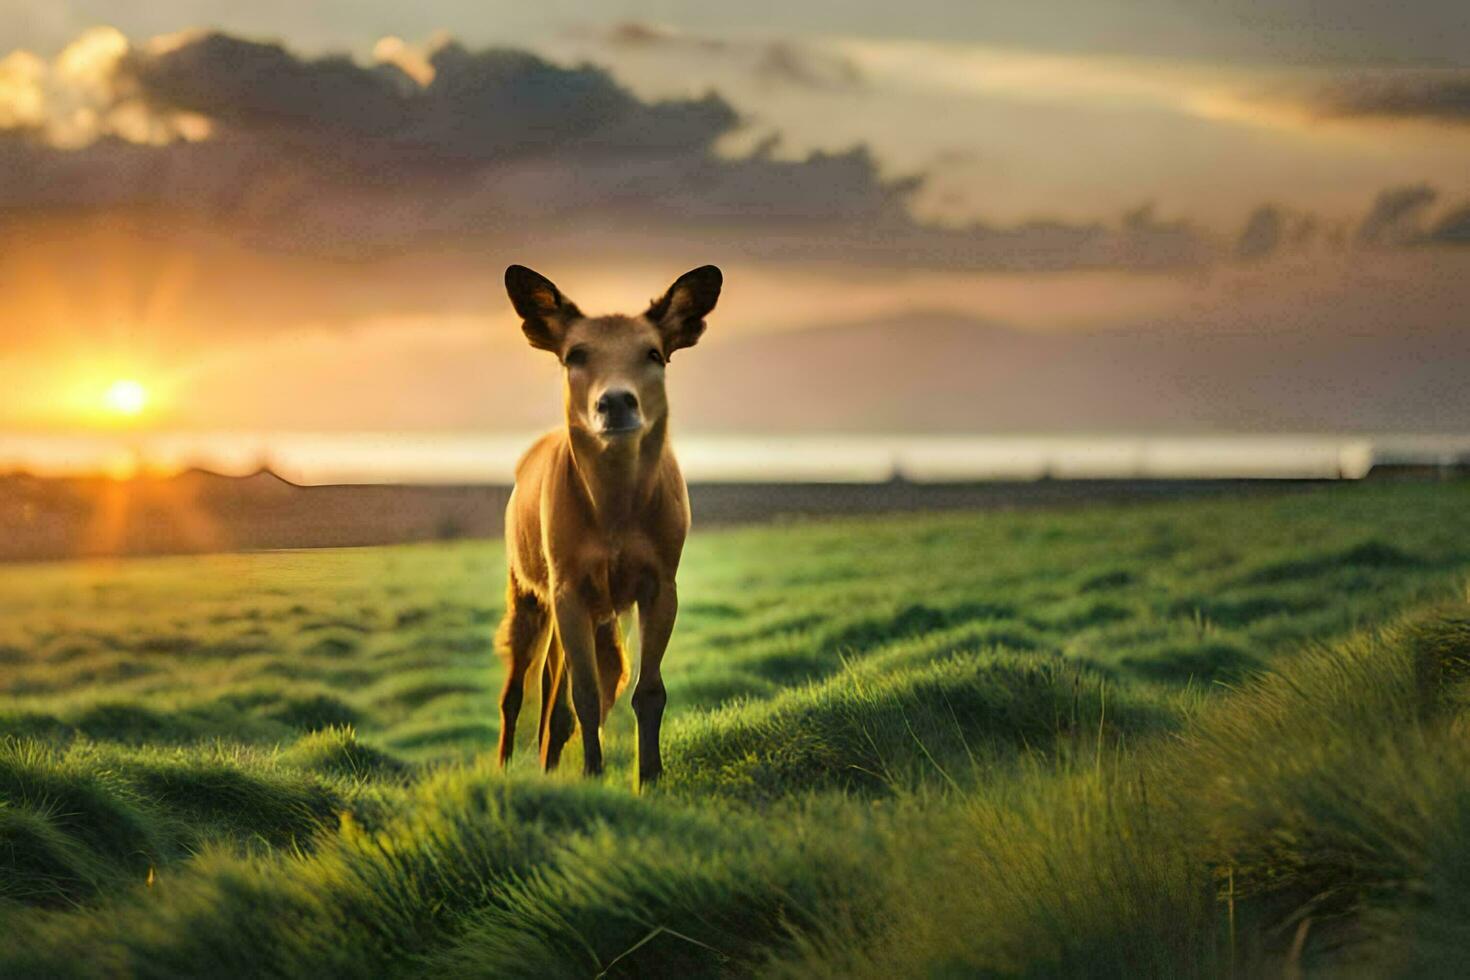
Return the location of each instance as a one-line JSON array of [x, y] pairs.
[[1096, 244]]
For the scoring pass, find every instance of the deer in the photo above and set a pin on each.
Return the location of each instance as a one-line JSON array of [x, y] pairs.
[[597, 520]]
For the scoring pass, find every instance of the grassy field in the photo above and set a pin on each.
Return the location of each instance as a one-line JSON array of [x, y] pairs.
[[1224, 737]]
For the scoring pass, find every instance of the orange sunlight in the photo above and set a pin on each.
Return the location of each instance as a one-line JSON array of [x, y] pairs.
[[117, 396], [126, 397]]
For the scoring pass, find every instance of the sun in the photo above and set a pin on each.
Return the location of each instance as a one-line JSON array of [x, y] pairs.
[[126, 396]]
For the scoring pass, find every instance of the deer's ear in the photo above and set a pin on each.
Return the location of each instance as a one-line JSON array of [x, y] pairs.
[[679, 313], [545, 312]]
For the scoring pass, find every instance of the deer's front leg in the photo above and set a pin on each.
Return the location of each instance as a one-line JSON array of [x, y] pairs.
[[656, 613], [575, 628]]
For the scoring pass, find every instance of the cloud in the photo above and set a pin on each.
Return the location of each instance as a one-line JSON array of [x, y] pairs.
[[1272, 229], [1257, 96], [324, 189], [477, 107], [1400, 216], [788, 63], [1396, 216], [646, 34], [1453, 228], [1263, 233], [1433, 95], [774, 63], [75, 99], [334, 158], [248, 86]]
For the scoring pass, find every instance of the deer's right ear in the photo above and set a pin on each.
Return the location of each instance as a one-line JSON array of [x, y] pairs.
[[545, 312]]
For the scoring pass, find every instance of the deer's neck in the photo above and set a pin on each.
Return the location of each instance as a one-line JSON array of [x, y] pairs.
[[617, 476]]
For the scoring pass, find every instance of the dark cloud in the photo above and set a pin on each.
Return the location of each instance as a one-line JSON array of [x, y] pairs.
[[1438, 95], [1149, 242], [1273, 229], [331, 158], [1263, 233], [1396, 216], [480, 106], [497, 148], [1399, 217], [1453, 228], [249, 86]]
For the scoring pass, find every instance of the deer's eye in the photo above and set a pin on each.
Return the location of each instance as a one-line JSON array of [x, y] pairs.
[[576, 357], [655, 356]]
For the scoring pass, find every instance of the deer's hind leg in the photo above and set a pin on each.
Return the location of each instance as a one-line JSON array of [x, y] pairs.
[[522, 640], [557, 720], [612, 663]]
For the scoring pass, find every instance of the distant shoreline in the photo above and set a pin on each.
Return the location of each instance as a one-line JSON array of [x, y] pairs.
[[461, 459], [201, 512]]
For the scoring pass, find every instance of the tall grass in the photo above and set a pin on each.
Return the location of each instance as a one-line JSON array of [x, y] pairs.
[[1201, 739], [1314, 819]]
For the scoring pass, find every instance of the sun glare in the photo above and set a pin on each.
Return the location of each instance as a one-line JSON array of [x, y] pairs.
[[126, 397]]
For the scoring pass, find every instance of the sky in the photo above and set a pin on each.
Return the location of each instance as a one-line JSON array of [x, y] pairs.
[[294, 217]]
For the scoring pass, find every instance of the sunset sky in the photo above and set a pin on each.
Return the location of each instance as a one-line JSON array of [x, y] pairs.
[[1060, 215]]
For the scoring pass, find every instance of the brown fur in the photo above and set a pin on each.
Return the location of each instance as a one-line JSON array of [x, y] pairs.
[[597, 521]]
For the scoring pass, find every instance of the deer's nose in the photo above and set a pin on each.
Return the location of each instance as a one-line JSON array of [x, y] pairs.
[[617, 402]]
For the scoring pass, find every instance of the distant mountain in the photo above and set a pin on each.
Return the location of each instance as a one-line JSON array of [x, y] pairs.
[[263, 484], [947, 373]]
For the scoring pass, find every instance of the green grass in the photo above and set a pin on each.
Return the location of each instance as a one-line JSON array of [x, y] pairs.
[[1195, 738]]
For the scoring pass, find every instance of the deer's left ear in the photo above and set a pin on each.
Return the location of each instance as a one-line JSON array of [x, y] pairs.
[[679, 313]]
